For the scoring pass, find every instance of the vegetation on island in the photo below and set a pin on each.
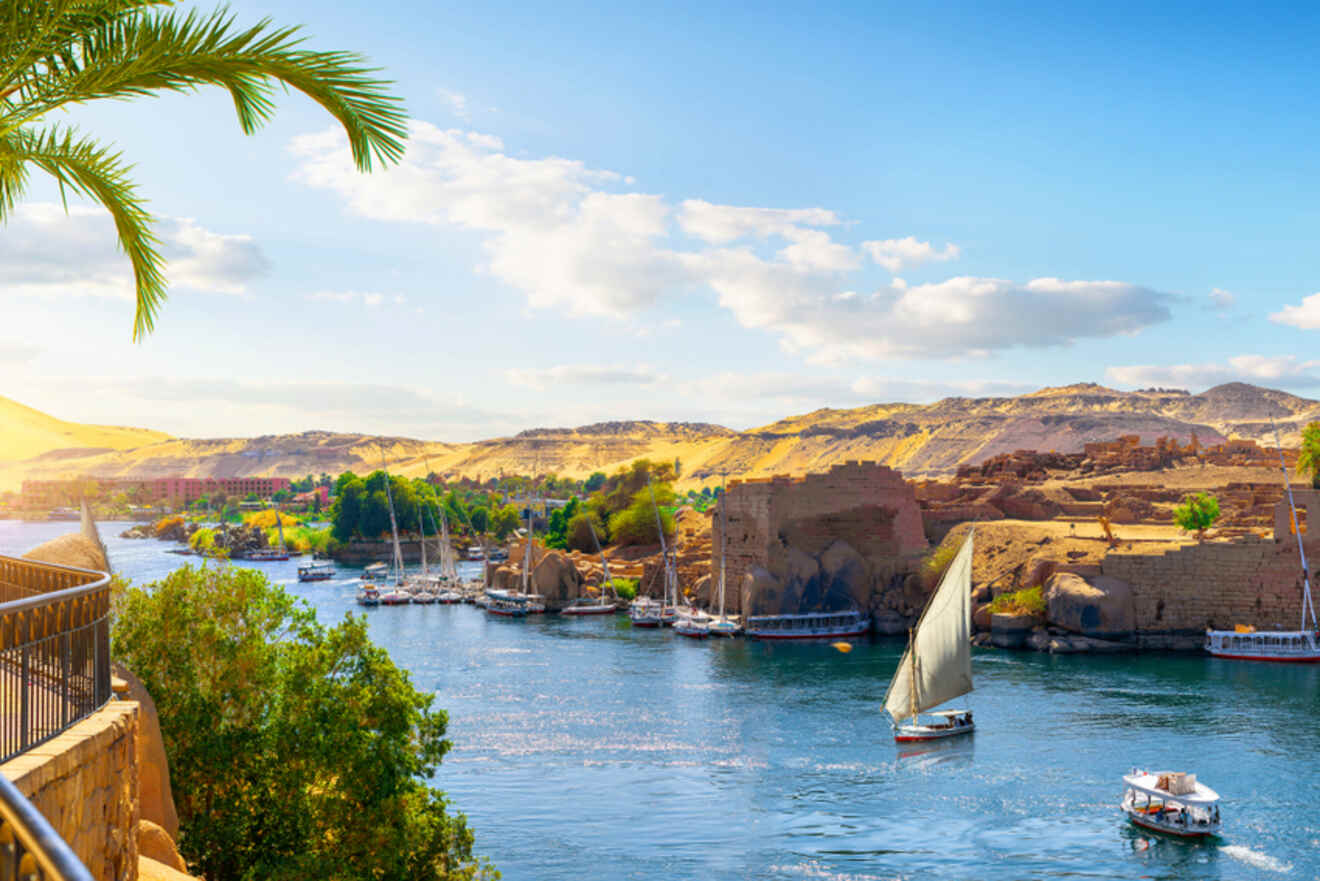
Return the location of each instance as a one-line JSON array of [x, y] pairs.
[[1027, 601], [296, 750], [1197, 513], [1308, 456], [58, 53]]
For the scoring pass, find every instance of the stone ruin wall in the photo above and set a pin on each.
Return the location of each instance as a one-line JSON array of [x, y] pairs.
[[771, 521], [1218, 585]]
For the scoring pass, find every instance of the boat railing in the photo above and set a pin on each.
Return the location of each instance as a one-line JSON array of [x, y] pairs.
[[54, 650]]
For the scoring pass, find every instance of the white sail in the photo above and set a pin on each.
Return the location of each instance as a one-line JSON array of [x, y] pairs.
[[941, 646]]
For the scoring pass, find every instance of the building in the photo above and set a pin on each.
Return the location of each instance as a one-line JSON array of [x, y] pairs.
[[174, 492]]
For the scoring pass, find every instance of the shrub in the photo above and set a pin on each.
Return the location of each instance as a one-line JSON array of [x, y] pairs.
[[624, 588], [203, 541], [1197, 513], [165, 525], [937, 561], [295, 750], [1027, 601], [266, 519]]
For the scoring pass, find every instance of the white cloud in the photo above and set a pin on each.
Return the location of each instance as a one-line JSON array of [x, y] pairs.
[[1221, 300], [887, 389], [583, 374], [456, 101], [15, 352], [1281, 370], [49, 252], [894, 254], [1305, 315], [559, 232], [366, 298]]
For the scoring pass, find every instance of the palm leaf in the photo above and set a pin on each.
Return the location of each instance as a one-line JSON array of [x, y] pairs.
[[84, 167]]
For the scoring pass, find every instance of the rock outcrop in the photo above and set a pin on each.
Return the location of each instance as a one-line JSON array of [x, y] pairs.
[[556, 579], [155, 798], [1097, 606]]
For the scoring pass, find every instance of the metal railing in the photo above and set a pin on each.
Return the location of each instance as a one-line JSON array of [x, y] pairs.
[[54, 650], [30, 848]]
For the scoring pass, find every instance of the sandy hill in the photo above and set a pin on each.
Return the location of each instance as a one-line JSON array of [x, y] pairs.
[[28, 432], [919, 439]]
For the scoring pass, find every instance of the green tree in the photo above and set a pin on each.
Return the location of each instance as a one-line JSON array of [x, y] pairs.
[[295, 750], [556, 534], [60, 53], [578, 537], [346, 512], [636, 524], [503, 521], [479, 517], [595, 481], [343, 480], [1308, 457], [1197, 513]]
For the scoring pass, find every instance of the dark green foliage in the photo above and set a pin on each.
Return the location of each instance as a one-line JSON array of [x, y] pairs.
[[1197, 513], [556, 535], [295, 750], [636, 524], [479, 518], [594, 482], [579, 537]]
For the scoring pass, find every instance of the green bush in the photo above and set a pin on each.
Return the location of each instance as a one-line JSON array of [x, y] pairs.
[[624, 588], [1027, 601], [1197, 513], [937, 561], [295, 750]]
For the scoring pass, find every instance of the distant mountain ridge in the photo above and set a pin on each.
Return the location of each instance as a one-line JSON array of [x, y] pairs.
[[918, 439]]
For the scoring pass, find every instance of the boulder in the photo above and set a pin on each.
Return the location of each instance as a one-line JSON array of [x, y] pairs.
[[1037, 641], [760, 592], [801, 582], [1098, 606], [890, 623], [153, 870], [155, 798], [704, 593], [1037, 571], [556, 579], [1128, 509], [846, 574], [1009, 631], [981, 617], [155, 843]]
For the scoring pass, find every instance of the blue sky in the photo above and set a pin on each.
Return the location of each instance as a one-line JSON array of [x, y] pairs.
[[711, 213]]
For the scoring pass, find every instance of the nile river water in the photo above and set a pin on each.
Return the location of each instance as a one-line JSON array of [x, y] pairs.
[[587, 750]]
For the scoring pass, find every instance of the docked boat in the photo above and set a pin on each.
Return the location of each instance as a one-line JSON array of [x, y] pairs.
[[513, 605], [937, 665], [476, 553], [368, 595], [395, 597], [376, 572], [808, 625], [1301, 646], [646, 611], [1170, 802], [266, 555], [694, 624], [317, 570], [649, 612]]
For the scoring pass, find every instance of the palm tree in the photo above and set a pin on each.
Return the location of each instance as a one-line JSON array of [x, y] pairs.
[[58, 53]]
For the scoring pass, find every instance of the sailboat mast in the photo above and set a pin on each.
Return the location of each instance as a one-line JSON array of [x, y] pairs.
[[394, 524], [604, 564], [912, 674], [1307, 604], [664, 549], [421, 530]]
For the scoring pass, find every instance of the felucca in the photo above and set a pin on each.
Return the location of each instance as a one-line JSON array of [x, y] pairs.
[[272, 554], [937, 666], [722, 625], [593, 605], [1293, 646]]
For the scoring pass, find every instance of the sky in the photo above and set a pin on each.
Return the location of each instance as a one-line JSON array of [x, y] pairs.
[[725, 213]]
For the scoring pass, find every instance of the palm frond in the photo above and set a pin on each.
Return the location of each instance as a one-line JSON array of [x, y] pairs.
[[143, 52], [85, 167], [33, 29]]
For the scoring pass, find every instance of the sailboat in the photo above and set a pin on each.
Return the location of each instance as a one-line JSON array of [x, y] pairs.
[[937, 666], [423, 585], [399, 595], [1301, 646], [593, 605], [722, 625], [518, 605], [272, 554], [645, 611]]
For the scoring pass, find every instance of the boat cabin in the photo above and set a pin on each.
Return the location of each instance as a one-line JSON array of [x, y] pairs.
[[1171, 802]]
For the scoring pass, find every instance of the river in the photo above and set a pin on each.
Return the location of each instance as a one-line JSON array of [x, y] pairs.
[[584, 749]]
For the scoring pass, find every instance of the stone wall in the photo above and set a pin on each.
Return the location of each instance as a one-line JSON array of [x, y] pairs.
[[85, 782], [776, 525], [1217, 585]]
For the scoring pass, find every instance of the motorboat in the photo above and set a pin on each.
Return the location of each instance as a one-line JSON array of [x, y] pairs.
[[588, 606], [317, 570], [376, 572], [694, 624], [937, 665], [266, 555], [648, 612], [368, 595], [808, 625], [1171, 802], [397, 596]]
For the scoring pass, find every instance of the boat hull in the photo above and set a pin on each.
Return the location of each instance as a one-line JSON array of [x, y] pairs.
[[506, 613], [587, 610], [692, 632], [847, 633], [1137, 818], [920, 733], [325, 577], [1273, 659]]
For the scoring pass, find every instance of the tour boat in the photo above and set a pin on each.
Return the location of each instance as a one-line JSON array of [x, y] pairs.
[[267, 555], [376, 572], [694, 624], [808, 625], [1300, 646], [317, 570], [396, 597], [368, 596], [937, 665], [1171, 802]]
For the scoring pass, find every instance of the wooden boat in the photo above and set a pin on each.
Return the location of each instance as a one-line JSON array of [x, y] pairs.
[[597, 605], [376, 572], [395, 597], [694, 624], [937, 665], [645, 611], [722, 624], [1170, 802], [843, 624], [280, 552], [317, 570], [368, 595]]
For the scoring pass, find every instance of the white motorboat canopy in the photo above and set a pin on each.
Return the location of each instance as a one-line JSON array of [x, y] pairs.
[[1148, 782]]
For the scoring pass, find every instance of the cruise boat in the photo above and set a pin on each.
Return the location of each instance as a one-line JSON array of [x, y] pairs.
[[368, 595], [808, 625], [937, 665], [1301, 646], [1170, 802], [317, 570]]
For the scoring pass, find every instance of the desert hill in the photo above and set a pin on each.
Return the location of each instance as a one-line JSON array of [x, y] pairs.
[[28, 432], [919, 439]]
